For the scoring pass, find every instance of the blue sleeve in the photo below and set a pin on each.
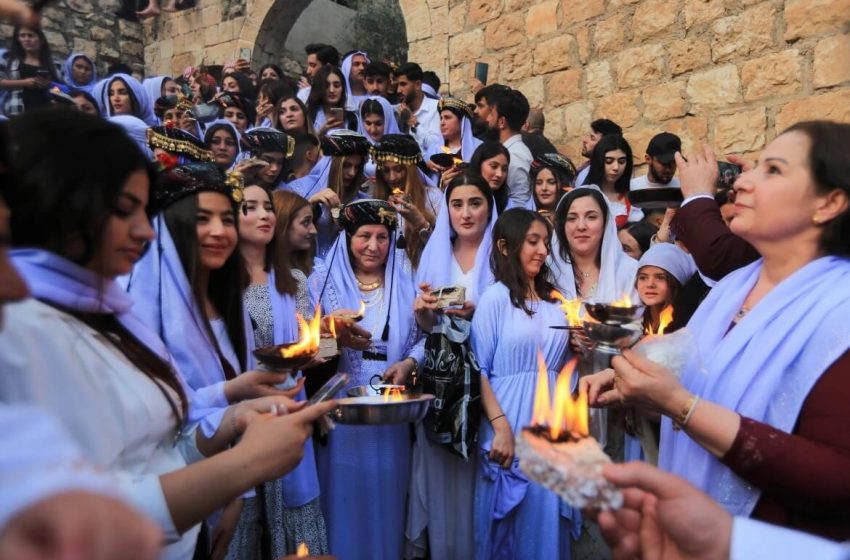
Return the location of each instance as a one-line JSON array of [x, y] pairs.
[[485, 331]]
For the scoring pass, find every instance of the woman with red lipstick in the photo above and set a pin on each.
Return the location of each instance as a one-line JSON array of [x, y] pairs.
[[510, 332]]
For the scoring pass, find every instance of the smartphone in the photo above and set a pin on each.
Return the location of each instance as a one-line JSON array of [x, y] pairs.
[[330, 389], [727, 173], [481, 70], [338, 113], [42, 73], [245, 54]]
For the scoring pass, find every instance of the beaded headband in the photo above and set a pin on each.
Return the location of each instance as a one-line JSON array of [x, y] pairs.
[[181, 181], [261, 140], [396, 148], [455, 103], [177, 142]]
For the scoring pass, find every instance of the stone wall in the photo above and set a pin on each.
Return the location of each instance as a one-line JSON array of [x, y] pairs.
[[90, 27], [732, 72]]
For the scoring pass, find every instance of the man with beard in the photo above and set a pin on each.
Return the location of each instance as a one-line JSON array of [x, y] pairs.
[[598, 129], [419, 112], [484, 99], [507, 113], [660, 170], [353, 66], [318, 56], [376, 78]]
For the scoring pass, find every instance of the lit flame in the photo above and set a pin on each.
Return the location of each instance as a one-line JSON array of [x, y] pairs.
[[571, 308], [393, 395], [566, 414], [332, 328], [303, 551], [664, 321], [398, 192], [361, 311], [310, 334], [625, 301]]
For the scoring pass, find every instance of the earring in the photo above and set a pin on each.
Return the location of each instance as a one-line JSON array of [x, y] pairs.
[[815, 221]]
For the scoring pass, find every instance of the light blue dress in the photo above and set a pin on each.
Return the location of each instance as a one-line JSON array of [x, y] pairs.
[[364, 471], [516, 518]]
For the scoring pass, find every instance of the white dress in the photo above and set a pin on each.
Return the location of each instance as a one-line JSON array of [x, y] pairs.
[[117, 416]]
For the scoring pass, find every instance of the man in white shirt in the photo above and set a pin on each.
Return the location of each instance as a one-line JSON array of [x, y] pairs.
[[318, 55], [665, 517], [508, 113], [661, 162], [424, 120], [353, 66]]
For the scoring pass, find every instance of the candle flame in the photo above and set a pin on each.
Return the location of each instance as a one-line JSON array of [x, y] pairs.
[[571, 308], [664, 320], [624, 301], [303, 551], [393, 395], [332, 327], [309, 333], [566, 415]]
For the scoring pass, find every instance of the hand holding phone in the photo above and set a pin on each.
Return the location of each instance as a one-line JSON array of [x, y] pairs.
[[330, 389], [337, 114]]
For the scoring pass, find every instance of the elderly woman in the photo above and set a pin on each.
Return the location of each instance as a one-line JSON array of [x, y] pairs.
[[759, 420], [364, 471]]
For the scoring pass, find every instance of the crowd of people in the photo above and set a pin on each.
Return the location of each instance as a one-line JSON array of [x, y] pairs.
[[156, 232]]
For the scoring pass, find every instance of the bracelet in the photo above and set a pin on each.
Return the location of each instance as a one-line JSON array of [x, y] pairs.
[[686, 413], [496, 418]]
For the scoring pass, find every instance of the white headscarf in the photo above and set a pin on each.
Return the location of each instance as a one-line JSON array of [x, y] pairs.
[[390, 122], [616, 270], [670, 258], [352, 104]]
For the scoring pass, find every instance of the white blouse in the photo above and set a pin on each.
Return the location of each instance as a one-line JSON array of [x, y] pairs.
[[117, 415]]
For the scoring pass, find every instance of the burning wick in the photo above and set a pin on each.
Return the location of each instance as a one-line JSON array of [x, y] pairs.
[[664, 320], [302, 551], [393, 395], [624, 301], [571, 308], [567, 418], [310, 335]]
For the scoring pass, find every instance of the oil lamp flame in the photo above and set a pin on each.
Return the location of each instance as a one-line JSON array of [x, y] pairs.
[[566, 415], [664, 320], [624, 301], [393, 395], [302, 551], [571, 308], [310, 334]]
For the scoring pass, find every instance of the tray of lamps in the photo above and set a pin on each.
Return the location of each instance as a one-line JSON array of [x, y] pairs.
[[383, 403], [557, 450], [295, 355]]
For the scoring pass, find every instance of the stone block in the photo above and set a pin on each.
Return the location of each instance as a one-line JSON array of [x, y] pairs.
[[460, 78], [554, 130], [773, 74], [807, 18], [638, 138], [564, 87], [542, 18], [702, 11], [516, 65], [692, 130], [742, 131], [101, 34], [513, 6], [56, 41], [834, 106], [577, 11], [211, 14], [481, 11], [609, 34], [534, 90], [507, 31], [743, 35], [133, 49], [577, 118], [583, 42], [457, 19], [715, 87], [418, 22], [832, 61], [622, 108], [689, 54], [432, 52], [85, 46], [653, 18], [467, 46], [599, 80], [554, 54], [640, 66], [664, 101]]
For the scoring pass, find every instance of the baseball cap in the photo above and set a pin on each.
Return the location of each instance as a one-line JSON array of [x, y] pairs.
[[663, 146]]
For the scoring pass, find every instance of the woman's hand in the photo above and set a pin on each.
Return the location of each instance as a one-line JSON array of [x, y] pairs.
[[327, 197], [697, 175], [502, 447], [38, 82], [646, 385], [250, 163], [464, 312], [355, 337], [448, 175], [330, 124], [663, 234], [264, 111], [434, 167], [580, 343], [425, 308], [274, 445], [409, 212], [399, 372], [245, 411], [600, 388], [253, 384], [223, 532]]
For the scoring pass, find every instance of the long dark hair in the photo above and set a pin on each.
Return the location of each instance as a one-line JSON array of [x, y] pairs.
[[489, 150], [830, 168], [246, 86], [560, 177], [335, 178], [63, 195], [286, 205], [561, 221], [316, 100], [512, 227], [471, 179], [596, 175], [418, 192], [226, 284], [134, 102], [642, 232], [45, 55]]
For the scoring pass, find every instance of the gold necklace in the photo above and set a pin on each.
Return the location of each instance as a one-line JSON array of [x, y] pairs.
[[369, 287]]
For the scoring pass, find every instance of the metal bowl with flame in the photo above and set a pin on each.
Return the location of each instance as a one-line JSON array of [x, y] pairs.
[[613, 314], [611, 338], [272, 357], [393, 407]]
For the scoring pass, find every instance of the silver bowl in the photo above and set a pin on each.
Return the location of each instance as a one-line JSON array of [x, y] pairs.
[[374, 410], [607, 313], [373, 390], [611, 338]]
